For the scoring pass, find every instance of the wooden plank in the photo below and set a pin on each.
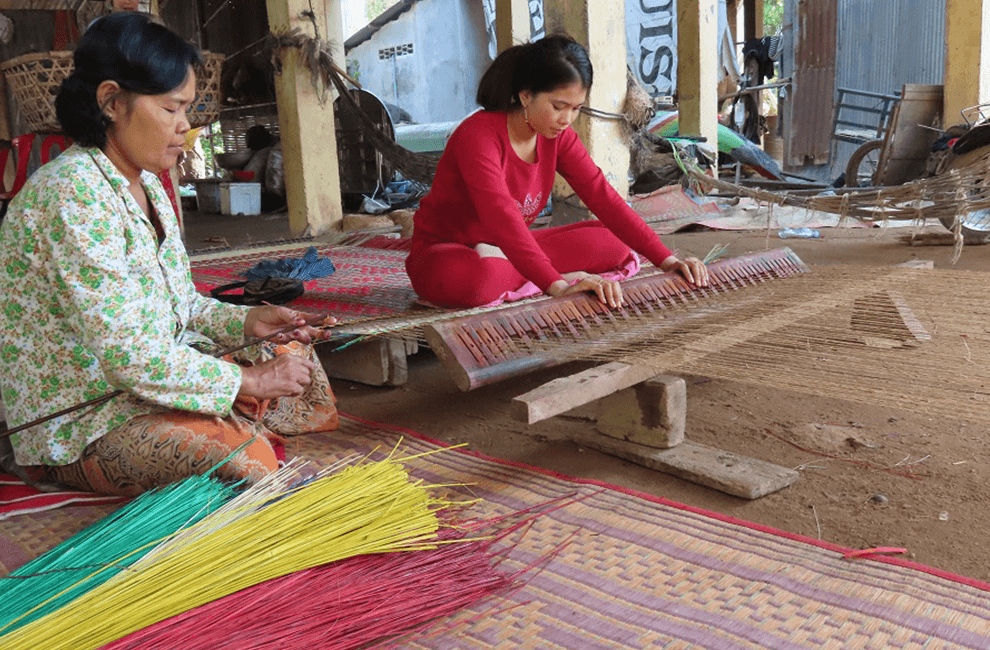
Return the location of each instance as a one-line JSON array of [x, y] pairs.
[[725, 471], [564, 393]]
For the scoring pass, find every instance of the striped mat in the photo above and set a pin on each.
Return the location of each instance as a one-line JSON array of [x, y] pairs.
[[643, 572]]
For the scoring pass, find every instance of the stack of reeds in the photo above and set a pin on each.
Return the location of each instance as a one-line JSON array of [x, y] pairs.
[[270, 563]]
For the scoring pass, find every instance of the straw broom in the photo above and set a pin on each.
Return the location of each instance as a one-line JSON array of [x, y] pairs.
[[271, 530]]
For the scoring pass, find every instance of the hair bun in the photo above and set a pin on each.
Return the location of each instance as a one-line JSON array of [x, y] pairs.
[[79, 114]]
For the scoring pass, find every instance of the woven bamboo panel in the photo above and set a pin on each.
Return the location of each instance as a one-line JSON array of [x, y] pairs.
[[35, 80], [234, 125]]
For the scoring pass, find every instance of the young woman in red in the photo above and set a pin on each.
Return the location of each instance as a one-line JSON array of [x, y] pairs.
[[471, 241]]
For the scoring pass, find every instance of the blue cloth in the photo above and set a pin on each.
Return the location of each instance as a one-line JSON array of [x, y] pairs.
[[309, 267]]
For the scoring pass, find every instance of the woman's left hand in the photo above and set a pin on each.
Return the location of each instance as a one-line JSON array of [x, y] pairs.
[[693, 269], [262, 322]]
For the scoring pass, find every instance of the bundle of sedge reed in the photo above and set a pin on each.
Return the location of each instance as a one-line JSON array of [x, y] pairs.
[[101, 551], [360, 602], [270, 530]]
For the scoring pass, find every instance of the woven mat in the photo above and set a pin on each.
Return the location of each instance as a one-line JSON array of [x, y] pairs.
[[643, 572], [369, 282]]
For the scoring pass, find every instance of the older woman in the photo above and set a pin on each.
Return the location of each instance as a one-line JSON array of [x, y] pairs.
[[97, 296]]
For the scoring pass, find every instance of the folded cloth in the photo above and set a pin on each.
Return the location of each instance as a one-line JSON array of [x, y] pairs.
[[310, 267]]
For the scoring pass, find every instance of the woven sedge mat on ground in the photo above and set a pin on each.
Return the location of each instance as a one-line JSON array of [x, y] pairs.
[[643, 572], [369, 282]]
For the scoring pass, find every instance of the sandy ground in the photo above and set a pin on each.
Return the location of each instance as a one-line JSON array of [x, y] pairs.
[[834, 500], [839, 500]]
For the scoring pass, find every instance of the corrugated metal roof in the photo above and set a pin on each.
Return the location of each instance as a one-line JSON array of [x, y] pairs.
[[387, 16]]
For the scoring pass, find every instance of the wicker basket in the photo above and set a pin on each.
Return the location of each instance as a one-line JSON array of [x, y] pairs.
[[35, 80]]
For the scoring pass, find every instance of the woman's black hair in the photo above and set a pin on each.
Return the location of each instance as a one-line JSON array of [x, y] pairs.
[[538, 67], [142, 56]]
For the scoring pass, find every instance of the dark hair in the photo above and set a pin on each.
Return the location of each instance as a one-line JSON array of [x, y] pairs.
[[141, 55], [258, 137], [538, 67]]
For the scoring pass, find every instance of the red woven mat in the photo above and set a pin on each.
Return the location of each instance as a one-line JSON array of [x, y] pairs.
[[369, 282]]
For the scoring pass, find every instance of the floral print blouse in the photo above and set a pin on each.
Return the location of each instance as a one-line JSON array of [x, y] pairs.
[[90, 302]]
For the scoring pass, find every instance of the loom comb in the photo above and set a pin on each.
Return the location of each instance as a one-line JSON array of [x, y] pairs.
[[488, 347]]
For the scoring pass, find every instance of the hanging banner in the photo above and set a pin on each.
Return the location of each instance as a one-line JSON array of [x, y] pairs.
[[651, 44], [537, 28]]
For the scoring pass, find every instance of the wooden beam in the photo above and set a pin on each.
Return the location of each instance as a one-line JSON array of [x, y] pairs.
[[721, 470], [309, 141], [563, 394]]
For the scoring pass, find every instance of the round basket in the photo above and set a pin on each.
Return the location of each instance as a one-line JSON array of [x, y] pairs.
[[35, 80]]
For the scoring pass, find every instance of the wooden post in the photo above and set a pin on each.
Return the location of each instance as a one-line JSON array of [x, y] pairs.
[[753, 19], [600, 26], [697, 63], [967, 57], [309, 142], [511, 23]]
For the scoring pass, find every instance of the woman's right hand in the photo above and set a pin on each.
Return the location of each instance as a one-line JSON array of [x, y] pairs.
[[609, 292], [282, 376]]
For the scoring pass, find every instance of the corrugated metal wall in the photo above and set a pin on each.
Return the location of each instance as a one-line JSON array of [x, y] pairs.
[[884, 44], [812, 80]]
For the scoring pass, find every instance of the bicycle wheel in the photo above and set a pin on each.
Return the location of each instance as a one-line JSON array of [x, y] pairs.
[[861, 170]]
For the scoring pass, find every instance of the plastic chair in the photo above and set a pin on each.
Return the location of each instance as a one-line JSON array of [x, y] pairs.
[[21, 147]]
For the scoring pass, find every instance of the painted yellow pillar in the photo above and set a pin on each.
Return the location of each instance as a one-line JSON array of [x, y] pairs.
[[335, 32], [967, 56], [600, 26], [309, 141], [511, 23], [697, 66]]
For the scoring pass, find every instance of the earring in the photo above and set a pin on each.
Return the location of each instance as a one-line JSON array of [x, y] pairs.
[[526, 117]]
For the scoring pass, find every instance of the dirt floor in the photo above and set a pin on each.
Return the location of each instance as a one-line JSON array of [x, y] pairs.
[[839, 499]]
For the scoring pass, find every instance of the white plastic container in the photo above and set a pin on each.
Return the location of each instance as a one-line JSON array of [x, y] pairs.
[[240, 198]]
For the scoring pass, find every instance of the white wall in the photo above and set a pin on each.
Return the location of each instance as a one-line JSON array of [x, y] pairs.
[[438, 80]]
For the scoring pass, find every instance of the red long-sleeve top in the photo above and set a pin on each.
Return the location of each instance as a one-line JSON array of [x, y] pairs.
[[483, 192]]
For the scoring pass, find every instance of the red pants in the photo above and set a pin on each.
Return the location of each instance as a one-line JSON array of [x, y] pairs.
[[456, 276]]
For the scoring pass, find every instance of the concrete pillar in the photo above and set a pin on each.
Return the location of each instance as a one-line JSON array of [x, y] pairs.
[[335, 32], [600, 26], [511, 23], [309, 141], [697, 68], [967, 56]]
